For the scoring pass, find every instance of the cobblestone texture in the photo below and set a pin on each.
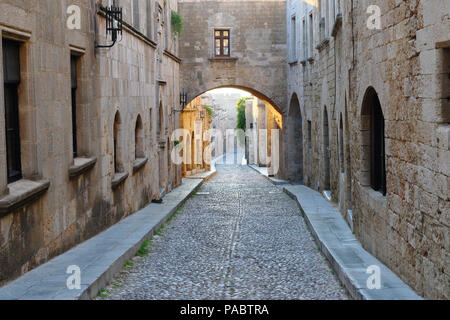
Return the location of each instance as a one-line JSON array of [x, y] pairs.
[[239, 237]]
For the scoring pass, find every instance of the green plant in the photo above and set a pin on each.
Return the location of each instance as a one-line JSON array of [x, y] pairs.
[[177, 23], [128, 264], [159, 231], [241, 121], [173, 216], [208, 109], [103, 293], [176, 142], [143, 250]]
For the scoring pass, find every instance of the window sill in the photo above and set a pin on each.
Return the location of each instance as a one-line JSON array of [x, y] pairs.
[[231, 59], [293, 63], [80, 166], [138, 164], [323, 44], [337, 25], [375, 199], [118, 179], [22, 193]]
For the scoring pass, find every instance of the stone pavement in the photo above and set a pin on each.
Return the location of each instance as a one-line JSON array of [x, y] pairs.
[[264, 172], [239, 237], [343, 250], [100, 257]]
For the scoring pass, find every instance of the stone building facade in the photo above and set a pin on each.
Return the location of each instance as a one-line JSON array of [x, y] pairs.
[[369, 102], [223, 102], [86, 139], [264, 124], [237, 44], [196, 119]]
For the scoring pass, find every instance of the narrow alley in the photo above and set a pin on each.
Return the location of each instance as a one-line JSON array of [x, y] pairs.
[[237, 237]]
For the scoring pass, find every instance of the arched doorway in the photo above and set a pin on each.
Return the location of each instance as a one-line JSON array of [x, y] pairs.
[[295, 141], [234, 110], [326, 150]]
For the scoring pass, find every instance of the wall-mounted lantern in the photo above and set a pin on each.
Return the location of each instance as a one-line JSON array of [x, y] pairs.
[[183, 99], [114, 25]]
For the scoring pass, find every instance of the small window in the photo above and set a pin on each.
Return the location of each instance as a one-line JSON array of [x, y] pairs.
[[11, 73], [378, 158], [311, 35], [305, 40], [117, 156], [309, 136], [446, 87], [74, 86], [293, 39], [222, 43], [160, 127], [139, 139]]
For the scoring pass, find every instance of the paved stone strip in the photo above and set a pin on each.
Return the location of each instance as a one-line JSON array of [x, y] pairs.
[[344, 251], [239, 237], [98, 258]]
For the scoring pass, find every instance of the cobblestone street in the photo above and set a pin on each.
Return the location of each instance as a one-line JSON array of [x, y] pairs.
[[238, 237]]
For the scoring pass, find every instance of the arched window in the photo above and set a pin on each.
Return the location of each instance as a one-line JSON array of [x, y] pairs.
[[139, 139], [372, 131], [117, 156]]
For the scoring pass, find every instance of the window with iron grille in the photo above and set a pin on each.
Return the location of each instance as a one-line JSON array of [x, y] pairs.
[[377, 150], [293, 39], [222, 43], [73, 76], [11, 75]]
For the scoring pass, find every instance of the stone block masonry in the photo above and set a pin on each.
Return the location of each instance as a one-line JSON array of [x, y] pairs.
[[347, 71], [122, 96]]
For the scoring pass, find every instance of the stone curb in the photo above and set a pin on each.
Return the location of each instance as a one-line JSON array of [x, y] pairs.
[[272, 180], [344, 252], [102, 256]]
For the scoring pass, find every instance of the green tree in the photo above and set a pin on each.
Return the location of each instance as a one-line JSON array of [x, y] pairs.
[[177, 23], [241, 121]]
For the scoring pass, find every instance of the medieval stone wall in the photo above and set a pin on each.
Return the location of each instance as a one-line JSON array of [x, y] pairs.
[[257, 53], [196, 122], [120, 91], [406, 63]]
